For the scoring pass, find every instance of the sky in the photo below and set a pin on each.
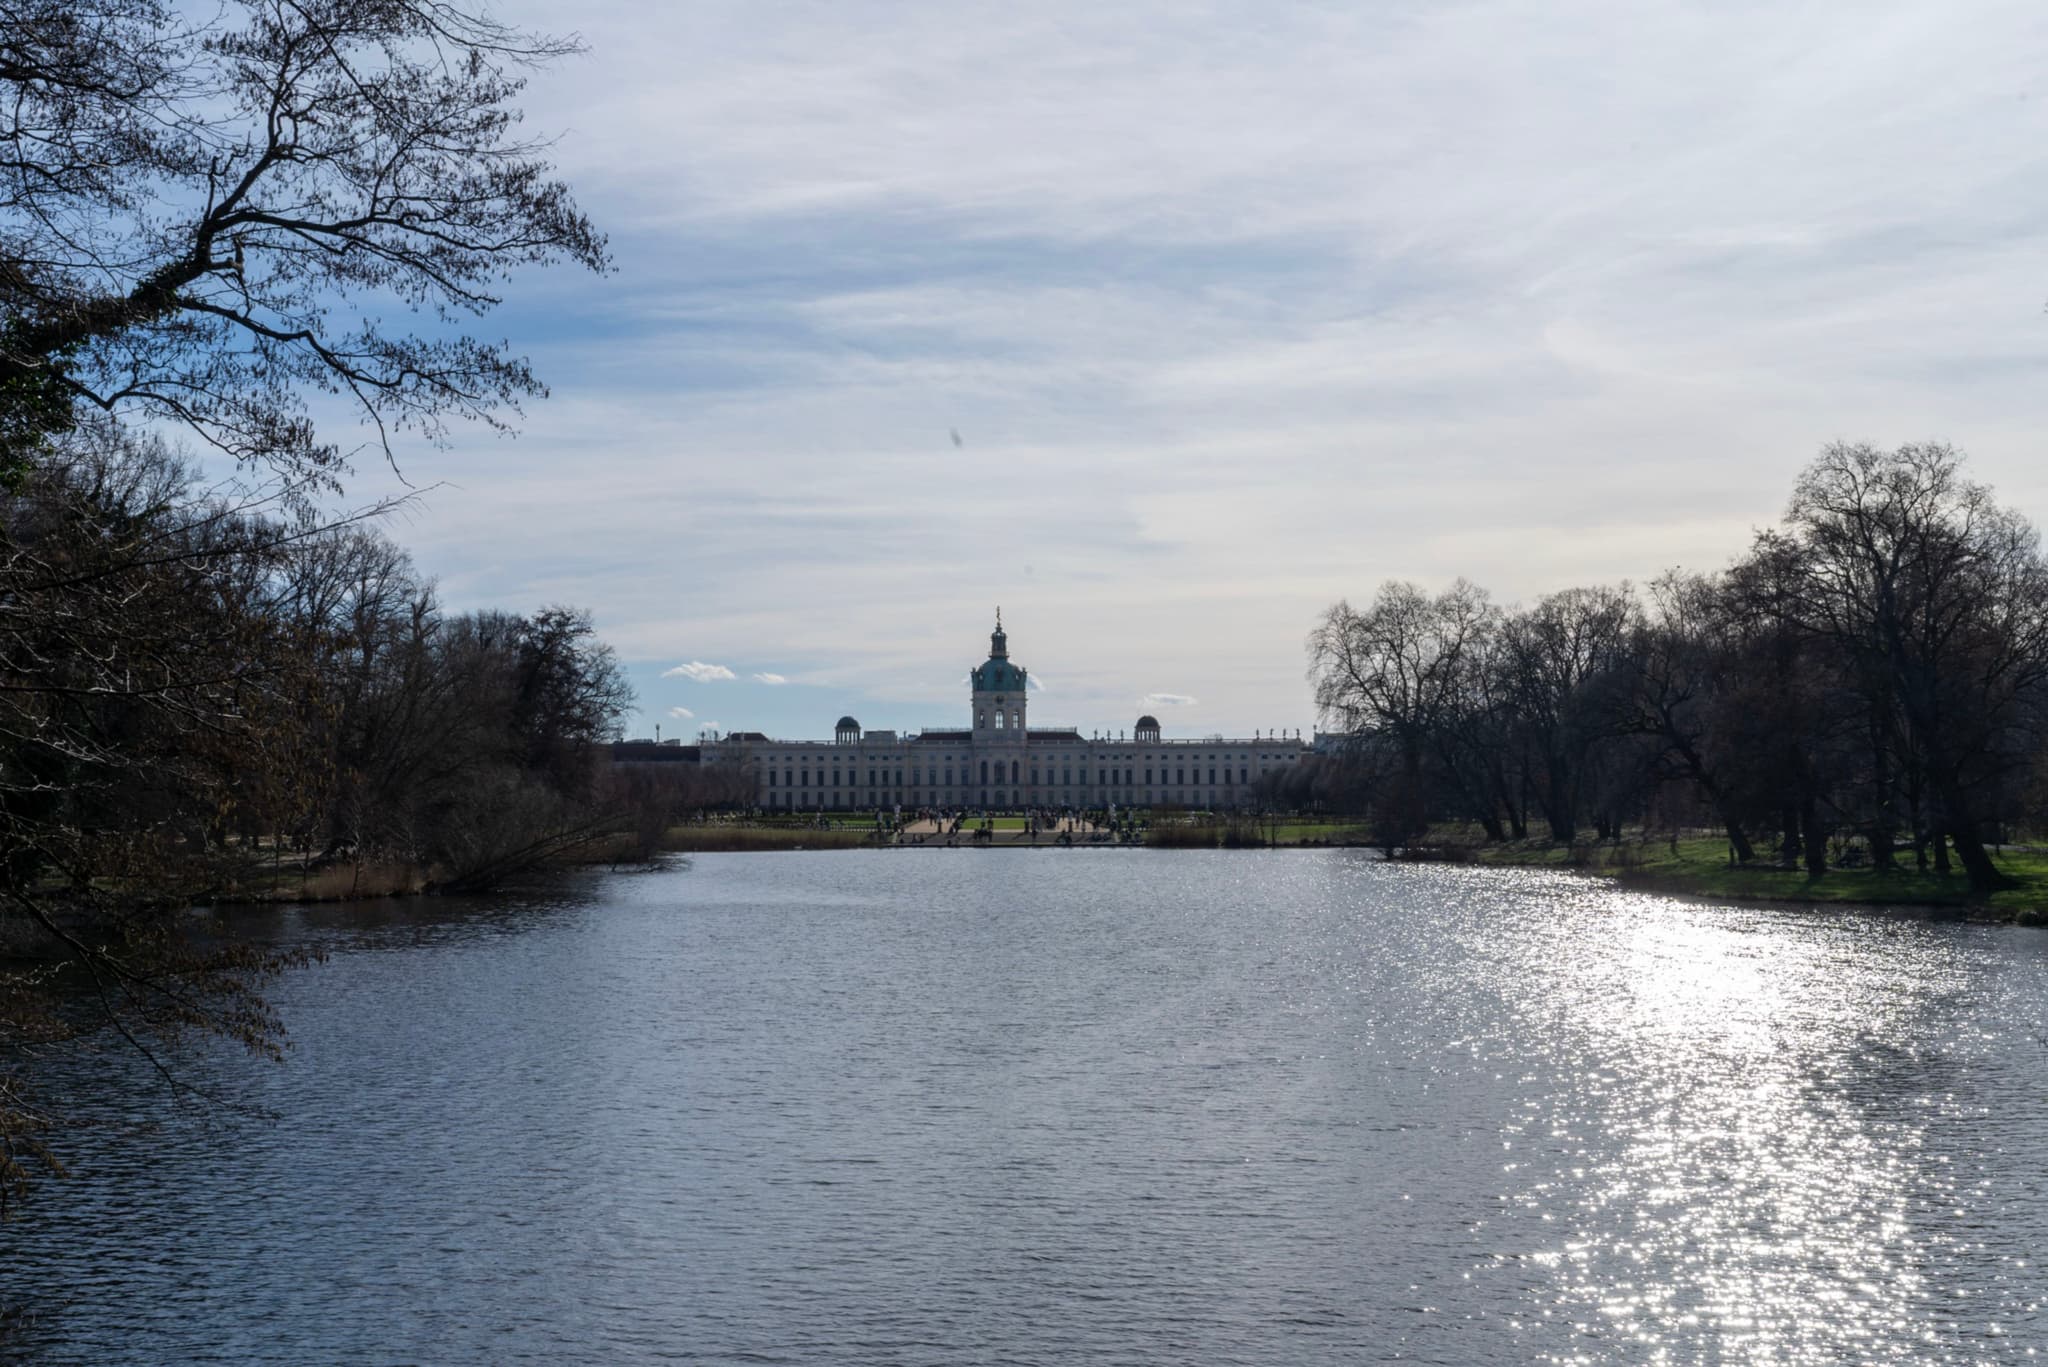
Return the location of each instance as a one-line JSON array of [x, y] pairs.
[[1165, 326]]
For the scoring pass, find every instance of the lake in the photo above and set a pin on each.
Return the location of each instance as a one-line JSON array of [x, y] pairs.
[[1090, 1106]]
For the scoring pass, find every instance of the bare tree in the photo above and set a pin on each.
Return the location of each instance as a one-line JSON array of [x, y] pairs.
[[207, 218], [1398, 670], [1939, 600], [1557, 653], [202, 220]]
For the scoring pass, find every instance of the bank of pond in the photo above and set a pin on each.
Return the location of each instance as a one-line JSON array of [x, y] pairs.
[[1686, 863], [1695, 863]]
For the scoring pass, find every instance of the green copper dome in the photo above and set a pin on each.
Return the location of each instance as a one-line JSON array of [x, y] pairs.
[[998, 676]]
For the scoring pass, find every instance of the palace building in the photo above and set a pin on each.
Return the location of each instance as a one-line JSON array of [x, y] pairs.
[[998, 759]]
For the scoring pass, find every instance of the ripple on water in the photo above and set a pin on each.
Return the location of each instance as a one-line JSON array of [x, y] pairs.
[[1105, 1106]]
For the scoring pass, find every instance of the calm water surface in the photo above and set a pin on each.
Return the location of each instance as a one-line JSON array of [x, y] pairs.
[[1085, 1106]]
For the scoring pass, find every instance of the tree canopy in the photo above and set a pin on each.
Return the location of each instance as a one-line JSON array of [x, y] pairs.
[[1873, 671], [205, 222], [215, 222]]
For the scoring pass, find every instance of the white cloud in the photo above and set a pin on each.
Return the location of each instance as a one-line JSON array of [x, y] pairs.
[[1166, 700], [1036, 681], [770, 679], [698, 672], [1222, 304], [681, 713]]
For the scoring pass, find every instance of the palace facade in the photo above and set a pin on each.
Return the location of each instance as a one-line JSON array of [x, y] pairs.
[[1000, 760]]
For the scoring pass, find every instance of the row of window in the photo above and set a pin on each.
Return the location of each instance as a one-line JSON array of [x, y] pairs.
[[801, 778], [789, 759], [999, 798]]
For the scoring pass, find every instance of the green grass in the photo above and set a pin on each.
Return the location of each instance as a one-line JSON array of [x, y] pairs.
[[1700, 867], [732, 836], [1297, 832], [1285, 831]]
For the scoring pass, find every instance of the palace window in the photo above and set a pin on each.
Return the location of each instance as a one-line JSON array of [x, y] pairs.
[[999, 719]]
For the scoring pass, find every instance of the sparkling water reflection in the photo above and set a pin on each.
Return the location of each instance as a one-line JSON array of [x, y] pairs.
[[1000, 1106]]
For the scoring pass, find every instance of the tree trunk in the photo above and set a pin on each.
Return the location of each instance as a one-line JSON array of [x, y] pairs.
[[1882, 828], [1815, 840], [1557, 804], [1984, 875]]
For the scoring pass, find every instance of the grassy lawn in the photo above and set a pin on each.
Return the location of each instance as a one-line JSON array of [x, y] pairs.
[[1298, 832], [1285, 831], [1700, 866], [732, 836]]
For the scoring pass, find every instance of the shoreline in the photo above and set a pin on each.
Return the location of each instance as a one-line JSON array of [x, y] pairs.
[[1697, 868]]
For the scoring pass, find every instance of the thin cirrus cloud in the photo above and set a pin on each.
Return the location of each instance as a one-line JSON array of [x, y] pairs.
[[696, 671], [1166, 700], [681, 713], [1220, 303], [772, 680]]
